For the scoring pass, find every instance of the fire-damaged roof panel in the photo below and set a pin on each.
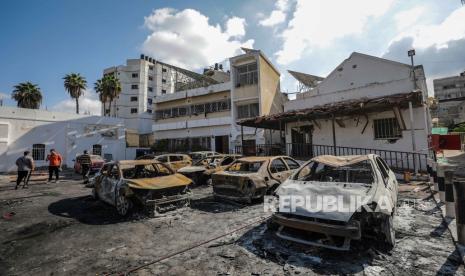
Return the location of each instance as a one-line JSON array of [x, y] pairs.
[[343, 108], [340, 161]]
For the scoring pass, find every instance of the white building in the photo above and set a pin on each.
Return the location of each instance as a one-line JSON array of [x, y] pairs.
[[450, 94], [363, 103], [39, 131], [142, 80]]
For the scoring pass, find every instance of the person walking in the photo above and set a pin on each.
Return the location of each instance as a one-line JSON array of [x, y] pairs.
[[54, 165], [25, 166], [85, 162]]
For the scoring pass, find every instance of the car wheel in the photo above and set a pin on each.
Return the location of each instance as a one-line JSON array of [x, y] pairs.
[[389, 232], [123, 205], [94, 194]]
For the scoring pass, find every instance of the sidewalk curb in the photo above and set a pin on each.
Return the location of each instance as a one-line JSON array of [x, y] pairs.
[[451, 227]]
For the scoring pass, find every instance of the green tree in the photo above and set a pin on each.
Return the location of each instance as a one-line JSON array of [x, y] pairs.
[[75, 84], [27, 95], [108, 88]]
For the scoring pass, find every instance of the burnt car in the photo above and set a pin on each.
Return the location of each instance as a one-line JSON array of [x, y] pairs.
[[201, 171], [250, 178], [362, 190], [198, 155], [149, 184], [175, 160], [96, 164]]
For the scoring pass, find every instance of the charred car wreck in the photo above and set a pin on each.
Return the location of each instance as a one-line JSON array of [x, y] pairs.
[[363, 191], [250, 178], [202, 170], [148, 184]]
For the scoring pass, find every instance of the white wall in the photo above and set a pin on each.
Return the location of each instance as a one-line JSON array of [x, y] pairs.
[[69, 134]]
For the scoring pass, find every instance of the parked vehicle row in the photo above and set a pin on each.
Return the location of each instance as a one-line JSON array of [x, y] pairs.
[[161, 183]]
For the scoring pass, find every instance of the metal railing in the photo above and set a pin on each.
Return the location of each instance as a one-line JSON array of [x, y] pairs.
[[397, 160]]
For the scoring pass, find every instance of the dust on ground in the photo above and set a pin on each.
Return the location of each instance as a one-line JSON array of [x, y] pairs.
[[58, 229]]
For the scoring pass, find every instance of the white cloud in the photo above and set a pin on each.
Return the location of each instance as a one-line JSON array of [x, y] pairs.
[[235, 26], [408, 18], [187, 39], [452, 28], [318, 23], [277, 16], [88, 103]]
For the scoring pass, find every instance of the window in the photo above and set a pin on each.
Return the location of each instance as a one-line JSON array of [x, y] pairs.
[[162, 159], [387, 128], [277, 166], [163, 80], [163, 69], [149, 101], [133, 110], [150, 67], [149, 111], [175, 158], [247, 74], [182, 111], [163, 91], [150, 78], [97, 149], [360, 172], [133, 99], [107, 111], [291, 164], [247, 111], [224, 105], [38, 152], [135, 75], [150, 89], [382, 167], [134, 86]]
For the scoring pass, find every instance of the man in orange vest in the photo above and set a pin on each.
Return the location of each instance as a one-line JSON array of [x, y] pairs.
[[54, 165]]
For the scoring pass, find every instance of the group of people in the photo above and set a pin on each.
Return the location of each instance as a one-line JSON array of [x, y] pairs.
[[26, 165]]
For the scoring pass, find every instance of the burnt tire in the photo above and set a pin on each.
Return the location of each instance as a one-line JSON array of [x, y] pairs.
[[271, 225], [389, 232], [123, 205], [95, 194]]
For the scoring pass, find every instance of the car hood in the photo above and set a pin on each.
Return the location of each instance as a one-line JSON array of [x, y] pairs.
[[191, 169], [349, 198], [161, 182]]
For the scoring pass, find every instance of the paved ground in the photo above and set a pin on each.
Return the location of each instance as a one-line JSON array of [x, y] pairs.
[[58, 229]]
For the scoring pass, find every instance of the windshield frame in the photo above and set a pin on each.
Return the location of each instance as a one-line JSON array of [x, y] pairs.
[[262, 163], [171, 172]]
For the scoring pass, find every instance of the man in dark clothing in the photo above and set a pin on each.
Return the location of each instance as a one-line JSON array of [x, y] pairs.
[[25, 166], [85, 162]]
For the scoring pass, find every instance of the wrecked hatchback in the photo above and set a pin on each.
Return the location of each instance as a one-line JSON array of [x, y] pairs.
[[201, 171], [148, 184], [250, 178], [332, 200]]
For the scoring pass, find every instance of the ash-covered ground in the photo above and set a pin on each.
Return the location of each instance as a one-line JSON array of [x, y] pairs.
[[58, 229]]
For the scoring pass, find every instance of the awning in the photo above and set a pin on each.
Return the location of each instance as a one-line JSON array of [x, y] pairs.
[[360, 106]]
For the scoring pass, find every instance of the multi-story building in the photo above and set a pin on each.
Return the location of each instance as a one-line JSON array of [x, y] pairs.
[[450, 95], [202, 114], [141, 81]]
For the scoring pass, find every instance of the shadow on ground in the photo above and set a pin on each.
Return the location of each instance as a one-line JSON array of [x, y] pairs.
[[211, 205], [85, 210]]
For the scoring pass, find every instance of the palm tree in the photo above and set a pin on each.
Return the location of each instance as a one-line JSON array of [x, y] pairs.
[[113, 87], [75, 84], [100, 90], [27, 95]]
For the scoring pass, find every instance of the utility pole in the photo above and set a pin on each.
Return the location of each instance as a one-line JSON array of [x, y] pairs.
[[411, 53]]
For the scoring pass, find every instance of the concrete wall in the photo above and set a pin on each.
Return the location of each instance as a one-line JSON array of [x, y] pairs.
[[360, 76], [69, 134]]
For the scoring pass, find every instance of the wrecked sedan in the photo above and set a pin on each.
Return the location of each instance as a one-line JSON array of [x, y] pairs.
[[332, 200], [149, 184], [250, 178], [202, 170]]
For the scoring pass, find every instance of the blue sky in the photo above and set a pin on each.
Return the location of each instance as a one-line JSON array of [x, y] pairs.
[[41, 41]]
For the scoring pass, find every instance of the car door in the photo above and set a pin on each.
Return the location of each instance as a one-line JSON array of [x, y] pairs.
[[389, 180], [279, 170], [110, 182]]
